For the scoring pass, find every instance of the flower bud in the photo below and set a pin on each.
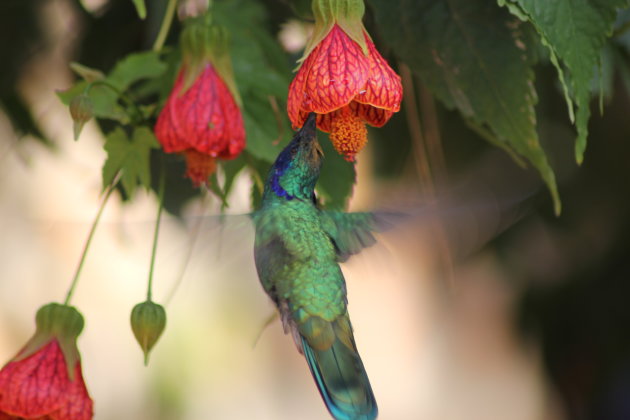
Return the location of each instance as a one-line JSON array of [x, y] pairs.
[[44, 380], [81, 112], [148, 320], [61, 322], [348, 14], [203, 42]]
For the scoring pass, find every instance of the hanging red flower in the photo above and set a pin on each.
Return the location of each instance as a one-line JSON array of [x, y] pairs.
[[201, 117], [44, 380], [343, 78]]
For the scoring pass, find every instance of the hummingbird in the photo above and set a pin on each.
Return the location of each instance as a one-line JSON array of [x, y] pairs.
[[297, 251]]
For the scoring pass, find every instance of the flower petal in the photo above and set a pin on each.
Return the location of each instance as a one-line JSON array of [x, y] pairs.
[[205, 118], [337, 73], [297, 94], [233, 138], [324, 121], [383, 88], [34, 386], [167, 128], [376, 117], [77, 404], [200, 115]]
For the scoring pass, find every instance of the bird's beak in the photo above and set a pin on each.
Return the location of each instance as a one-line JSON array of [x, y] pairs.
[[308, 131], [308, 136]]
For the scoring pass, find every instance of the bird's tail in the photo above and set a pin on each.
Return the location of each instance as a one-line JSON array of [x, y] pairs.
[[332, 356]]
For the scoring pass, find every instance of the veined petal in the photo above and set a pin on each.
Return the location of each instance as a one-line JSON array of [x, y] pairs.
[[338, 72], [34, 386], [383, 88], [324, 121], [199, 114], [39, 386], [233, 139], [204, 118], [77, 404], [297, 95], [167, 128], [376, 117]]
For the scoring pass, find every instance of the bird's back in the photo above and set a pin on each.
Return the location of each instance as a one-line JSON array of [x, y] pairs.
[[296, 259]]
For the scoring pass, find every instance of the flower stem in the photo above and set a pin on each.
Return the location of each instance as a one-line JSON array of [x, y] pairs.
[[166, 25], [86, 247], [157, 232]]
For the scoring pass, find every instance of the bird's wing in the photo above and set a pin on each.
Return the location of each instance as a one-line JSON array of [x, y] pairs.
[[351, 232]]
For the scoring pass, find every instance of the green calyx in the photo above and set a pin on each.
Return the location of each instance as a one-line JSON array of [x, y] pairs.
[[81, 111], [56, 322], [348, 14], [148, 320], [204, 42]]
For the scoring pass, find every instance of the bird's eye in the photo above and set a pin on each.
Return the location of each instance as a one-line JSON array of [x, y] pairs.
[[294, 151]]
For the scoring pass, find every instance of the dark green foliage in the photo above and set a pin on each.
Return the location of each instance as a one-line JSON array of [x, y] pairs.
[[575, 33], [477, 57], [337, 181], [473, 57], [130, 157]]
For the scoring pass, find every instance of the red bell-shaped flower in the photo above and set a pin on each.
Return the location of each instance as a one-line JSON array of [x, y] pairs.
[[44, 380], [343, 78], [201, 117]]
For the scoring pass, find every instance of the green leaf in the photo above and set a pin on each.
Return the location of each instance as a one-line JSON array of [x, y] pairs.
[[130, 157], [575, 32], [135, 67], [230, 169], [262, 74], [87, 73], [258, 170], [474, 57], [141, 8], [104, 101], [264, 131], [337, 178]]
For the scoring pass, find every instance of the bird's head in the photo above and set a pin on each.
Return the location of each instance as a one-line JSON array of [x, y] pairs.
[[296, 169]]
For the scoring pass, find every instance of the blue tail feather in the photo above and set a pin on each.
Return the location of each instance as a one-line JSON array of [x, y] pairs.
[[342, 381]]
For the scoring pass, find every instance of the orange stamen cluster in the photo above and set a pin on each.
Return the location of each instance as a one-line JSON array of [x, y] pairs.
[[199, 166], [348, 134]]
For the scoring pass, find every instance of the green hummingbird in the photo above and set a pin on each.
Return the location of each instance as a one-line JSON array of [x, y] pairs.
[[298, 248]]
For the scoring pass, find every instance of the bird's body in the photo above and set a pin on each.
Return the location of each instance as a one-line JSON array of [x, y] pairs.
[[297, 251]]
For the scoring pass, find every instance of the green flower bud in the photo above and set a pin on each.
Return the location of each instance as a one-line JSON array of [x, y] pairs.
[[204, 42], [338, 10], [148, 320], [81, 112], [56, 322], [348, 14], [59, 320]]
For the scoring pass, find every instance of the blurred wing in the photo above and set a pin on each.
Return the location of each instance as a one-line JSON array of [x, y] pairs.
[[468, 212], [351, 232]]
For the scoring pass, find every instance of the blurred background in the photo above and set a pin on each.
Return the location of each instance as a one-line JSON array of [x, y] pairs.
[[495, 310]]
